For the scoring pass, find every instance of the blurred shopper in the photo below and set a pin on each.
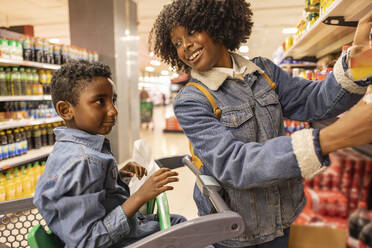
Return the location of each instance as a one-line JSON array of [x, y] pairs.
[[241, 142]]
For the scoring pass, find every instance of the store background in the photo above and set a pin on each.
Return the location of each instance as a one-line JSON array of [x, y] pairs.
[[118, 31]]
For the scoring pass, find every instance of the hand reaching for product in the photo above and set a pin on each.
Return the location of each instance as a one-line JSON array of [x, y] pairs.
[[154, 185], [354, 128]]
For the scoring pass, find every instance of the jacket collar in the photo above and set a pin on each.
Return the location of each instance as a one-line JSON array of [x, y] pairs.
[[214, 77], [94, 141]]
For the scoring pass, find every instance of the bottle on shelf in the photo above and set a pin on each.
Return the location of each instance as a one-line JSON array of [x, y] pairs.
[[3, 83], [23, 81], [31, 175], [4, 145], [29, 82], [10, 187], [27, 48], [11, 145], [37, 88], [357, 220], [17, 142], [2, 188], [17, 183], [36, 137], [27, 186]]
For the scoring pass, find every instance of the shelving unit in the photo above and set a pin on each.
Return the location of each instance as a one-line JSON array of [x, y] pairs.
[[322, 39], [9, 62], [25, 98], [30, 156], [28, 122], [312, 65]]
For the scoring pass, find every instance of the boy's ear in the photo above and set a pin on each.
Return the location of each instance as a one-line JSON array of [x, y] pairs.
[[64, 110]]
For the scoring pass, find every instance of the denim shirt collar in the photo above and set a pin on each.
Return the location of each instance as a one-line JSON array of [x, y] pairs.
[[94, 141], [215, 77]]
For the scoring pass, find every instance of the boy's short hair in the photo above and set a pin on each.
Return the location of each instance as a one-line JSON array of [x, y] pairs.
[[72, 77], [226, 21]]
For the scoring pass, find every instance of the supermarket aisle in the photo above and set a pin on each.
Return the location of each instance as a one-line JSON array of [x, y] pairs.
[[169, 144]]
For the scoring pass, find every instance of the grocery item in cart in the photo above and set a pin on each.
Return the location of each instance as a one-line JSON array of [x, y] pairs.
[[365, 237]]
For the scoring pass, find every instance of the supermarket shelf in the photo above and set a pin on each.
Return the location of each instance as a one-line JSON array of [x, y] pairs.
[[30, 156], [28, 122], [172, 131], [19, 204], [322, 39], [298, 65], [25, 98], [9, 62], [363, 149]]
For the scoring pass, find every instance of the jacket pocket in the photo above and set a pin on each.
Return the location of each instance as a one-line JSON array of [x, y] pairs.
[[240, 120]]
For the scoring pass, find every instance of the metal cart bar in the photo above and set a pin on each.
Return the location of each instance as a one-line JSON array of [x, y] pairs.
[[202, 231]]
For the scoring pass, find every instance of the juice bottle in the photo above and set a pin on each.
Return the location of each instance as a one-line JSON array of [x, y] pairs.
[[36, 137], [16, 82], [2, 190], [43, 78], [8, 72], [4, 145], [10, 187], [29, 82], [18, 184], [3, 84], [17, 142], [38, 171], [27, 185], [361, 65], [11, 145], [35, 84], [23, 81], [32, 177]]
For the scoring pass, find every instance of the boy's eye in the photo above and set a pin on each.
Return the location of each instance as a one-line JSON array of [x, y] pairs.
[[114, 100], [100, 101]]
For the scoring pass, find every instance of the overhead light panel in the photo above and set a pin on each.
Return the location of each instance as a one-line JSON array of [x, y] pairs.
[[155, 62], [150, 68], [289, 30], [244, 49], [164, 73]]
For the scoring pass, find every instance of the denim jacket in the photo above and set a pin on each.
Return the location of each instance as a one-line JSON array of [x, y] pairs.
[[258, 167], [80, 194]]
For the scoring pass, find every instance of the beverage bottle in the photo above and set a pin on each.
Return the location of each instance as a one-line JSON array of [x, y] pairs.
[[38, 171], [23, 140], [12, 49], [361, 64], [49, 81], [10, 187], [11, 145], [19, 50], [43, 78], [38, 50], [57, 54], [23, 81], [26, 183], [44, 137], [27, 48], [4, 145], [16, 82], [365, 236], [3, 84], [2, 190], [36, 137], [18, 184], [17, 142], [50, 135], [357, 220], [37, 88], [29, 138], [31, 174]]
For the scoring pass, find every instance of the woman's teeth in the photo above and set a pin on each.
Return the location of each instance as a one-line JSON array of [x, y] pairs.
[[194, 55]]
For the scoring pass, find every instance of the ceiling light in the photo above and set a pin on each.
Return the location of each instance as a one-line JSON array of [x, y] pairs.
[[151, 54], [150, 68], [164, 73], [289, 30], [155, 62], [54, 40], [244, 49], [175, 75]]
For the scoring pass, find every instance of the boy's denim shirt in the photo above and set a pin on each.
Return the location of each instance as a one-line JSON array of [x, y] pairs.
[[80, 194], [259, 168]]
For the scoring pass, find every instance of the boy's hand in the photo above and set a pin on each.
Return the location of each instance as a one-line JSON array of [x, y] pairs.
[[131, 169], [156, 184]]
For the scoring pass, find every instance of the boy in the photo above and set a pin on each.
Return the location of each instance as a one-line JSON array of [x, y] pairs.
[[80, 194]]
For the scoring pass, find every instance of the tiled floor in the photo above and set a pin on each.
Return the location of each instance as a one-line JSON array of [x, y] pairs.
[[169, 144]]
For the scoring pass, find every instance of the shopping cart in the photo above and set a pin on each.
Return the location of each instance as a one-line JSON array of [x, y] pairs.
[[19, 216], [146, 110]]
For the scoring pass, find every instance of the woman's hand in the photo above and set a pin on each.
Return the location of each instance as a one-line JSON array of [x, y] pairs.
[[154, 185], [361, 37], [352, 129], [131, 169]]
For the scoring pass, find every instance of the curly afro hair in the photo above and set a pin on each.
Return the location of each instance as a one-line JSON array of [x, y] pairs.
[[72, 77], [226, 21]]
